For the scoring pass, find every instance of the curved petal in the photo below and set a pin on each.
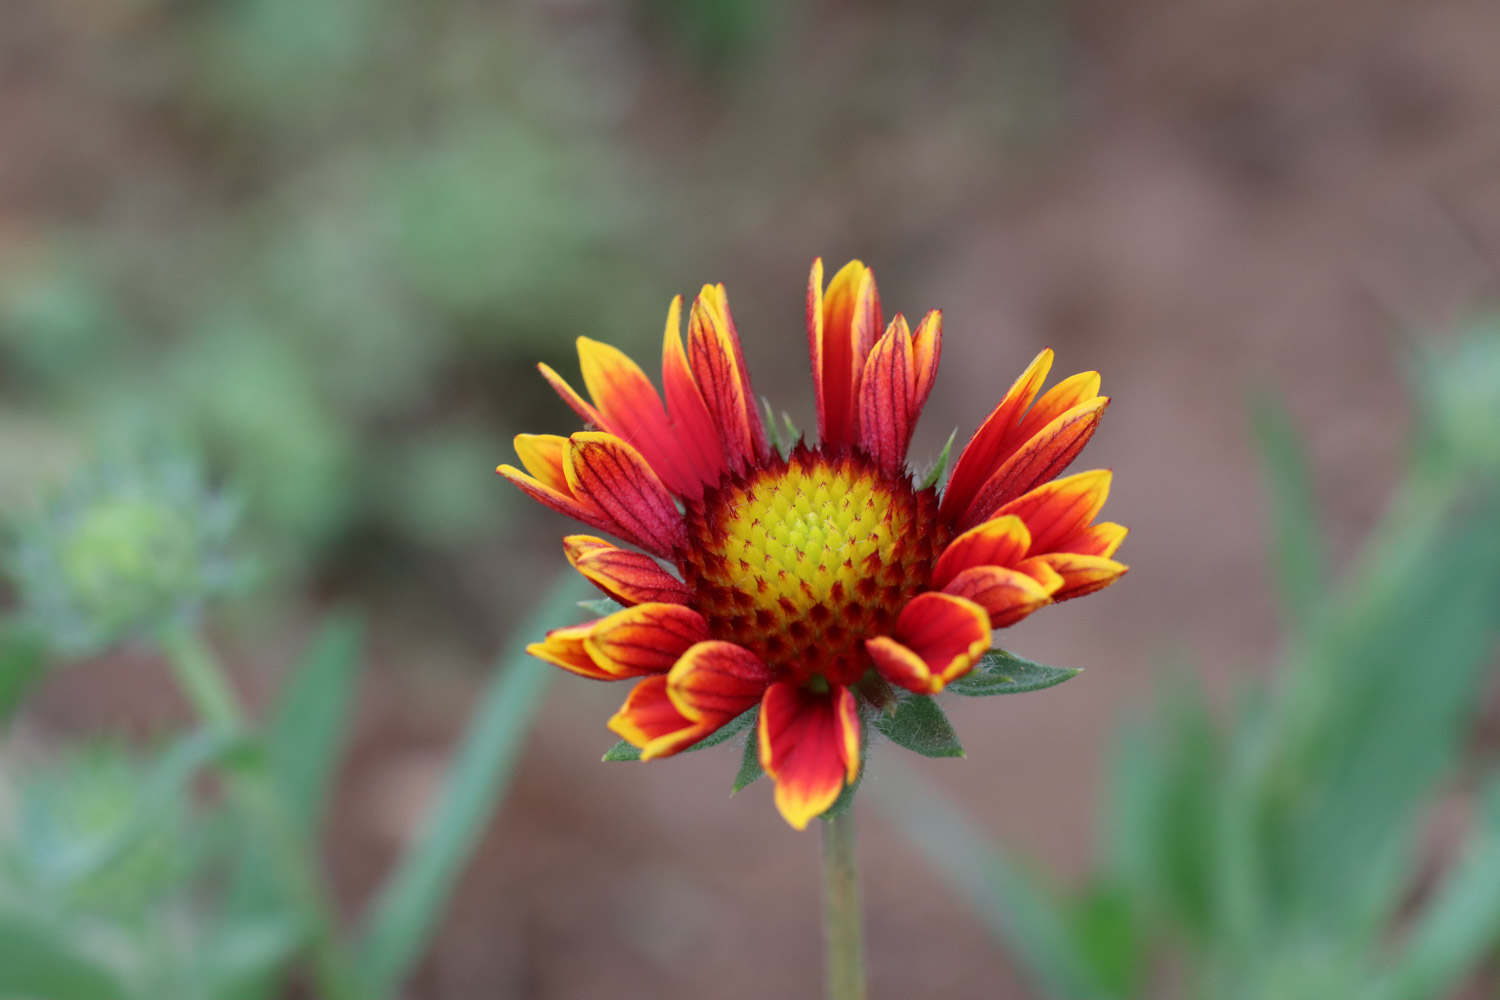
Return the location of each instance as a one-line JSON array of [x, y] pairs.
[[716, 680], [1001, 541], [1046, 453], [1051, 581], [714, 355], [1072, 391], [609, 474], [1082, 574], [628, 577], [886, 389], [842, 325], [559, 500], [986, 448], [563, 647], [699, 436], [927, 349], [579, 405], [649, 720], [544, 456], [633, 412], [645, 639], [1056, 510], [1102, 539], [1007, 595], [938, 637], [809, 742]]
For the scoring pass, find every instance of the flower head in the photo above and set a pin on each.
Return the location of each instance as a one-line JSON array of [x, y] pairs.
[[807, 583]]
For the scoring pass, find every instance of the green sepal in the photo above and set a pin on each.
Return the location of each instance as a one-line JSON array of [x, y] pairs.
[[999, 672], [935, 474], [750, 768], [918, 724], [793, 435], [624, 750], [603, 606]]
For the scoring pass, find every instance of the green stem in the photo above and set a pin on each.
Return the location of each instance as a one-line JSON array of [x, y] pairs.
[[843, 931], [206, 686]]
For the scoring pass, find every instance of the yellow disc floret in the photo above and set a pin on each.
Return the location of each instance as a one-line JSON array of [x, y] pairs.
[[802, 561]]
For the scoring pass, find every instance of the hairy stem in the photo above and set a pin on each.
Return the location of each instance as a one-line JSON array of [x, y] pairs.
[[843, 928]]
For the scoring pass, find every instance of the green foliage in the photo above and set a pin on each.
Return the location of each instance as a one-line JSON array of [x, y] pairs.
[[999, 672], [916, 723], [935, 476]]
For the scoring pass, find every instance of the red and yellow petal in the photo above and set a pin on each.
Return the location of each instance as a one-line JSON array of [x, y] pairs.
[[1042, 456], [628, 577], [927, 349], [605, 472], [809, 743], [1043, 573], [1102, 539], [714, 355], [559, 499], [697, 433], [1082, 574], [633, 412], [1075, 390], [842, 325], [886, 391], [938, 637], [716, 680], [563, 647], [650, 720], [1056, 510], [645, 639], [986, 449], [1007, 595], [579, 405], [1001, 541]]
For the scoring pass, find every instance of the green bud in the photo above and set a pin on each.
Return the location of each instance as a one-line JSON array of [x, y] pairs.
[[128, 549]]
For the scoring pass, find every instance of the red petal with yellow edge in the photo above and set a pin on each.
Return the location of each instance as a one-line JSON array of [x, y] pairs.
[[1082, 574], [716, 680], [843, 323], [645, 639], [1047, 453], [1055, 510], [544, 456], [563, 647], [609, 474], [985, 449], [699, 437], [1042, 573], [809, 742], [886, 388], [1003, 541], [758, 439], [927, 349], [938, 637], [649, 720], [713, 357], [1072, 391], [1007, 595], [579, 405], [633, 412], [562, 502], [1102, 539], [628, 577]]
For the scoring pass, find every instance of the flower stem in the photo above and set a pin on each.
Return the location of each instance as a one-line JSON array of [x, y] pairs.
[[250, 787], [843, 930]]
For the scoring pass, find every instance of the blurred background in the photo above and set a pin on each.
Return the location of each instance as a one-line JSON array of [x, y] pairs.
[[324, 244]]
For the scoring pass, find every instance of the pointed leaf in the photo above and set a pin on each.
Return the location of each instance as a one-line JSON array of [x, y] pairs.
[[935, 474], [918, 724], [750, 768], [999, 672], [603, 606]]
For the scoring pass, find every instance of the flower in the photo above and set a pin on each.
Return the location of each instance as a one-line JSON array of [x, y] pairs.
[[809, 582]]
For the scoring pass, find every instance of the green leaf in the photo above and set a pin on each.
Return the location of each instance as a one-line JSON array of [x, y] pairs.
[[999, 672], [22, 662], [793, 435], [1296, 546], [773, 433], [38, 959], [308, 726], [750, 768], [603, 606], [407, 910], [626, 751], [935, 474], [918, 724]]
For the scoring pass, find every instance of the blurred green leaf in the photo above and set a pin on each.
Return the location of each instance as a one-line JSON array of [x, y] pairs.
[[43, 960], [307, 728], [601, 606], [406, 911], [750, 768], [1295, 541], [22, 663], [934, 475], [918, 724], [999, 672], [1107, 934]]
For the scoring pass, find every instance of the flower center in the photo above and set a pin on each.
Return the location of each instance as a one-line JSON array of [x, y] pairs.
[[803, 560]]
